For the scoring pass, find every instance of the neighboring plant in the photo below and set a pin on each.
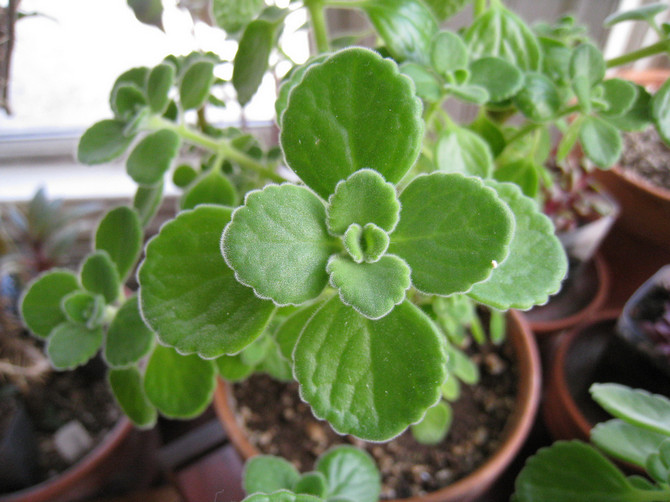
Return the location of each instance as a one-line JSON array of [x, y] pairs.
[[575, 471], [341, 474], [329, 264]]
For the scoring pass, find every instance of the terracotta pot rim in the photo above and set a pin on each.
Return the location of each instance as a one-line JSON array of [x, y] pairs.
[[46, 490], [516, 431], [641, 184]]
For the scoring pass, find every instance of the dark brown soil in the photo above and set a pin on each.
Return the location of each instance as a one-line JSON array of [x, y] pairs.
[[278, 423], [646, 157]]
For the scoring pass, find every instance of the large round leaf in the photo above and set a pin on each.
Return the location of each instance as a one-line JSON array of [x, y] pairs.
[[352, 111], [350, 473], [188, 295], [452, 232], [41, 304], [128, 338], [370, 378]]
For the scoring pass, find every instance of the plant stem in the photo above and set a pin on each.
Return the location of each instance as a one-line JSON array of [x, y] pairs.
[[651, 50], [479, 8], [316, 13]]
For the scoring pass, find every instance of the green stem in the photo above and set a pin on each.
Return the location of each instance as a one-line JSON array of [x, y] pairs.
[[645, 52], [317, 14], [527, 129], [479, 8], [345, 4]]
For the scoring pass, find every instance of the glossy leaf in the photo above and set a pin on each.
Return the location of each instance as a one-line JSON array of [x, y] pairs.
[[538, 99], [294, 78], [332, 128], [83, 308], [252, 58], [350, 473], [71, 345], [179, 386], [363, 198], [660, 111], [460, 150], [448, 52], [211, 188], [601, 141], [572, 471], [126, 384], [102, 142], [195, 84], [100, 276], [159, 84], [278, 244], [626, 442], [152, 156], [128, 338], [147, 201], [536, 264], [452, 231], [267, 474], [499, 77], [406, 26], [372, 289], [643, 13], [41, 304], [120, 235], [435, 425], [288, 332], [233, 15], [188, 295], [620, 95], [636, 406], [282, 496], [361, 375]]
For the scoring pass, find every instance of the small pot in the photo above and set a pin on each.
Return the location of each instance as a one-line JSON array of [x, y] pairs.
[[474, 485]]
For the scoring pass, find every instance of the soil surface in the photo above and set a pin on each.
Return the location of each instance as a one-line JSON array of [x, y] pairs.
[[279, 423], [646, 157]]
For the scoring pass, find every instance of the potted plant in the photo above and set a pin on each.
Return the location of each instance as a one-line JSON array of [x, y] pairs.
[[638, 436]]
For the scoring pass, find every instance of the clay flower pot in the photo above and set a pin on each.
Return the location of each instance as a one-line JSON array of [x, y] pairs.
[[472, 486]]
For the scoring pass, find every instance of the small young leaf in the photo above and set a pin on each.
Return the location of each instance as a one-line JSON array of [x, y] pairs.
[[363, 198], [636, 406], [489, 132], [233, 368], [522, 172], [41, 304], [626, 442], [102, 142], [278, 244], [406, 26], [126, 384], [435, 424], [460, 150], [282, 496], [184, 175], [448, 52], [152, 156], [427, 85], [267, 474], [147, 201], [288, 332], [445, 9], [211, 188], [601, 141], [471, 93], [71, 345], [159, 84], [644, 13], [332, 128], [620, 95], [275, 365], [660, 111], [137, 76], [462, 366], [188, 295], [195, 84], [451, 389], [127, 101], [569, 139], [499, 77], [536, 264], [294, 78], [351, 474], [638, 117], [179, 386], [233, 15], [120, 234], [99, 276], [587, 63], [539, 99], [361, 375], [452, 231], [312, 483], [128, 338], [83, 308]]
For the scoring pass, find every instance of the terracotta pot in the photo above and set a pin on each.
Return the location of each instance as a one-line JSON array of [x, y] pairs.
[[474, 485], [582, 295], [124, 459]]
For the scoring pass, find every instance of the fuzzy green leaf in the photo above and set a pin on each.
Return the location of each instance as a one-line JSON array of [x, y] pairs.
[[656, 469], [434, 426], [152, 156], [334, 127], [71, 345], [195, 84], [601, 141], [148, 11], [184, 175], [188, 295], [587, 63], [638, 117], [233, 15], [443, 9], [287, 334], [127, 100], [636, 406], [293, 79], [406, 26], [537, 262], [426, 82], [137, 76], [522, 172], [233, 368], [539, 99], [626, 442], [282, 496], [268, 474], [99, 276], [84, 308], [312, 483], [179, 386], [126, 384], [644, 13], [660, 111], [41, 304], [147, 201], [448, 52], [159, 84], [351, 474], [211, 188], [499, 77], [620, 95], [460, 150], [120, 234], [361, 375], [363, 198], [372, 289], [471, 93], [278, 244], [102, 142], [452, 231], [128, 338], [461, 366]]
